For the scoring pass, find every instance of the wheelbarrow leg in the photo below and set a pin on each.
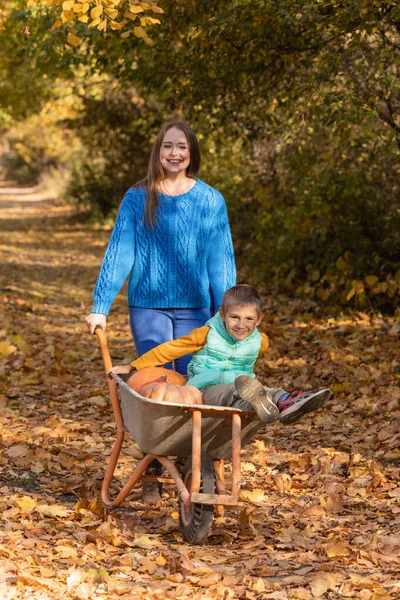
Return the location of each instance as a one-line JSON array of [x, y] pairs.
[[219, 468], [112, 463], [236, 448], [130, 484]]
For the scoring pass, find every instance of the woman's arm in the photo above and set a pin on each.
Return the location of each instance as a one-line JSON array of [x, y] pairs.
[[118, 259], [221, 260]]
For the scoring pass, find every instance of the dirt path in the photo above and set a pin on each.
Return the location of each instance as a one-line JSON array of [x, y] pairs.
[[320, 513]]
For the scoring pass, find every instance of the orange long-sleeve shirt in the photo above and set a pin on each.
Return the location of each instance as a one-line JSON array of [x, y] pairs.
[[186, 344]]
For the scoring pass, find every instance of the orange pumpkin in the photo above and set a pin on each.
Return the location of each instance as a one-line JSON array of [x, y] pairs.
[[149, 374], [169, 392]]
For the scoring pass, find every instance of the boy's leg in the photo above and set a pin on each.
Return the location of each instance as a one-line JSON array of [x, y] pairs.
[[294, 405], [246, 394], [252, 391], [224, 394]]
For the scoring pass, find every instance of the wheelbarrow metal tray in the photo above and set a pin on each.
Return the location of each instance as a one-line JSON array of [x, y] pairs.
[[165, 428]]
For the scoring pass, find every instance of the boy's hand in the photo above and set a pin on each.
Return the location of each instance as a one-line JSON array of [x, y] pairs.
[[120, 370]]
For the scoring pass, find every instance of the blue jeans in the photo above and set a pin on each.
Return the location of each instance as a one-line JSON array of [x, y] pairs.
[[153, 326]]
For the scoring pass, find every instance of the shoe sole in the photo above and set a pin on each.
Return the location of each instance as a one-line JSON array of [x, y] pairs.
[[253, 392], [296, 411]]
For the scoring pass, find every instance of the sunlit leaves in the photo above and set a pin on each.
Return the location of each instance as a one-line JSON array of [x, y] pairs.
[[73, 39], [102, 15]]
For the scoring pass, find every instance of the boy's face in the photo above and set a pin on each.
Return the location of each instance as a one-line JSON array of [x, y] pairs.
[[241, 320]]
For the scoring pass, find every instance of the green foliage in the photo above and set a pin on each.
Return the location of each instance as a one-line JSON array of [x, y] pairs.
[[297, 106], [41, 142], [115, 127]]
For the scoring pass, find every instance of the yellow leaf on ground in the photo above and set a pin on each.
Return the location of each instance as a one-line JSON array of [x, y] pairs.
[[26, 504], [256, 495], [145, 565], [76, 578], [283, 482], [323, 582], [16, 451], [6, 348], [67, 552], [259, 585], [156, 9], [144, 541], [51, 510], [338, 549], [333, 503], [46, 572], [10, 513]]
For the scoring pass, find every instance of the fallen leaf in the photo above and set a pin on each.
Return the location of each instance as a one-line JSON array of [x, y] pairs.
[[257, 495], [51, 510]]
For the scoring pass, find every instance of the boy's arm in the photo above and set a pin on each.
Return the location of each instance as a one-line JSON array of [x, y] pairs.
[[264, 343], [168, 351]]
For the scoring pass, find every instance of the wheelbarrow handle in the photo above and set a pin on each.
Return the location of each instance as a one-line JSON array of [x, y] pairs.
[[112, 386], [101, 336]]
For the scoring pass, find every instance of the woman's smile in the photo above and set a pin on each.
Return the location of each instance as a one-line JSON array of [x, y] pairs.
[[174, 152]]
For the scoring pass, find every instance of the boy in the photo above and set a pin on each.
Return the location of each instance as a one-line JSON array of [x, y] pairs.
[[225, 350]]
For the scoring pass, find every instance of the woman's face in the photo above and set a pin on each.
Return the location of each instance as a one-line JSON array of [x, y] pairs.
[[174, 152]]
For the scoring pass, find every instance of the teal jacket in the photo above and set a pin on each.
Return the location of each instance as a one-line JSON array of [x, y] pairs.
[[223, 358]]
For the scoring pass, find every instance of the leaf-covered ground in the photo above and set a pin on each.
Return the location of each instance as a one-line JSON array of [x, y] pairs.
[[319, 514]]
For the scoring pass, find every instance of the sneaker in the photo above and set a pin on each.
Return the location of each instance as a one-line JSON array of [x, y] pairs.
[[293, 405], [253, 392], [151, 492]]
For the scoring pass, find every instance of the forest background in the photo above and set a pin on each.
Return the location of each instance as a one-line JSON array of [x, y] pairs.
[[297, 107]]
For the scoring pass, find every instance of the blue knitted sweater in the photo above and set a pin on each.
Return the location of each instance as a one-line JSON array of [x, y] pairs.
[[186, 261]]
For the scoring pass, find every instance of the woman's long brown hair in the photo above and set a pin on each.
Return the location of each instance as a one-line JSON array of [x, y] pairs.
[[155, 172]]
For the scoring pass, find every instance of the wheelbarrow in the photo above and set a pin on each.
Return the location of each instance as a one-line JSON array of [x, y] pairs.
[[206, 436]]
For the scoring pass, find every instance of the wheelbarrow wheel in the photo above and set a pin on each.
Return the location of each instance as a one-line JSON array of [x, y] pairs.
[[195, 519]]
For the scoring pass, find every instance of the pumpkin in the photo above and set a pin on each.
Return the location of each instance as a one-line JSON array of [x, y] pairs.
[[169, 392], [149, 374]]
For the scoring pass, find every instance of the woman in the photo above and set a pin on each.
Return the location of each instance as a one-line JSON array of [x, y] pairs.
[[172, 238]]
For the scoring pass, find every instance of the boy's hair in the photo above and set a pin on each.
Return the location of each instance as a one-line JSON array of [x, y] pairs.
[[242, 294]]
